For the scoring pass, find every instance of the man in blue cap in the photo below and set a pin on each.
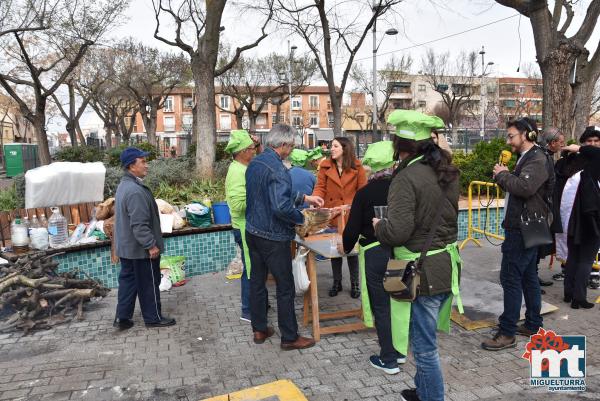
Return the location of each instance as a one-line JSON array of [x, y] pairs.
[[139, 244]]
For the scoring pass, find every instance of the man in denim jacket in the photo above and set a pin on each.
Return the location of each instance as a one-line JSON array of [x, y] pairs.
[[271, 214]]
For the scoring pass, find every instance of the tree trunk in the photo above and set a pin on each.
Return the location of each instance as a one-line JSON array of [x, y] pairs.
[[80, 134], [336, 108], [558, 96], [108, 136], [252, 118], [39, 125], [70, 127], [204, 116], [150, 122]]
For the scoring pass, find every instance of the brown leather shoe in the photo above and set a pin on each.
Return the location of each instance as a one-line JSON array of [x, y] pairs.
[[300, 343], [261, 336], [498, 342]]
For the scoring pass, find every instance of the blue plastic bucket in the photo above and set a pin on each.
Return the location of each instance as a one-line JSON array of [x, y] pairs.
[[221, 213]]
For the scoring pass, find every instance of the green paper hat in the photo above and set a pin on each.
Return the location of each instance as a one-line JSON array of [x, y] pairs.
[[238, 141], [298, 157], [316, 153], [379, 156], [413, 125]]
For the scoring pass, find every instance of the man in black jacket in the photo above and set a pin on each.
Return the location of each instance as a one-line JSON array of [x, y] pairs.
[[528, 189]]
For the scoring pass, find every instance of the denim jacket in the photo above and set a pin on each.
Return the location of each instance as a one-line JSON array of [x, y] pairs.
[[271, 207]]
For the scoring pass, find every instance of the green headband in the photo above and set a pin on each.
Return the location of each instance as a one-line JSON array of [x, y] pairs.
[[413, 125]]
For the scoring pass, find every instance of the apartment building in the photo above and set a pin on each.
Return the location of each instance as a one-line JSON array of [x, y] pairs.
[[518, 97], [310, 113]]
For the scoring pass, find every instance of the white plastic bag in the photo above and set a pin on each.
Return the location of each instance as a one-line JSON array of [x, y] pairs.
[[301, 280], [165, 280]]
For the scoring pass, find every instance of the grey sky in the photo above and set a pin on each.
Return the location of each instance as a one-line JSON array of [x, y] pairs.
[[420, 21]]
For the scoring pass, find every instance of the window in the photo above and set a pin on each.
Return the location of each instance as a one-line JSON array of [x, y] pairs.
[[360, 118], [509, 103], [188, 102], [422, 88], [538, 89], [330, 119], [422, 104], [329, 105], [261, 119], [224, 102], [296, 121], [168, 106], [296, 103], [186, 122], [169, 123], [225, 121], [314, 101], [280, 120], [314, 120]]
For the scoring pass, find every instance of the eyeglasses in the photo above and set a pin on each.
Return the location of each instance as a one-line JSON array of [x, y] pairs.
[[511, 136]]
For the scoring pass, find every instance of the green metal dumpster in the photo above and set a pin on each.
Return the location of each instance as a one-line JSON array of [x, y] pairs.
[[20, 157]]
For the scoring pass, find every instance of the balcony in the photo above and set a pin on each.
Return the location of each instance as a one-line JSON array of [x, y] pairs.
[[401, 95]]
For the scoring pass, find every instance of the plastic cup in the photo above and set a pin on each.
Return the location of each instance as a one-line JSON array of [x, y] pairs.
[[380, 212]]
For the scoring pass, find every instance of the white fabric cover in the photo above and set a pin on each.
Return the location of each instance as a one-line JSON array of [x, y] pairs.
[[566, 206], [64, 183]]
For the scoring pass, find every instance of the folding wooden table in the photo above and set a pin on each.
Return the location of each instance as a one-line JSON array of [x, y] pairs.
[[321, 244]]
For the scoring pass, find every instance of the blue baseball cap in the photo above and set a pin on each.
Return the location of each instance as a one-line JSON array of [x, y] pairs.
[[129, 155]]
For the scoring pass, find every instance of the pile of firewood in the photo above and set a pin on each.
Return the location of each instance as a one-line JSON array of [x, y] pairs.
[[34, 296]]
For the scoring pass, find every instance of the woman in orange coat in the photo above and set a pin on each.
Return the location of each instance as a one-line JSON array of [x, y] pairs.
[[340, 176]]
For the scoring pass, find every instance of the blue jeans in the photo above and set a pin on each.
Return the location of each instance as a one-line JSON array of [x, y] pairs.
[[518, 276], [237, 235], [273, 257], [423, 343]]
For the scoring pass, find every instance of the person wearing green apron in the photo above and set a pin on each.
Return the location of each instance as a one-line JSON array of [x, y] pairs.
[[424, 182], [241, 147], [373, 257]]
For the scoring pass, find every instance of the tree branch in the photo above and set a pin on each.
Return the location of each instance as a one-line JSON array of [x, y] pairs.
[[589, 23]]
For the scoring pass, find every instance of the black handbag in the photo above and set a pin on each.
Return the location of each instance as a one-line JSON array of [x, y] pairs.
[[535, 231], [402, 278]]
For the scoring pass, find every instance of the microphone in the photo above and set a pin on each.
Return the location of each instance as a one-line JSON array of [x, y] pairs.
[[505, 157]]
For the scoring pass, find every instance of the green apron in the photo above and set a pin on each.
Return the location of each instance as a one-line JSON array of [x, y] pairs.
[[364, 293], [246, 249], [400, 311]]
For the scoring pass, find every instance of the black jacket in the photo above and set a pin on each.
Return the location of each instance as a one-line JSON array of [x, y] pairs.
[[529, 186], [360, 221], [585, 216]]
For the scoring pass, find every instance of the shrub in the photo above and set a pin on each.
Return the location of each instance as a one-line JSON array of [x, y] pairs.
[[111, 181], [220, 153], [8, 199], [478, 165], [175, 172], [114, 154], [19, 181], [197, 190], [83, 154]]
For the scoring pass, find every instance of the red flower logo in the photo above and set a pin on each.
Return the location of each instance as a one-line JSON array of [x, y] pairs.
[[542, 341]]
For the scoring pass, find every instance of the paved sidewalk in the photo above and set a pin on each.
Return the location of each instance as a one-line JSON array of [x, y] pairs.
[[210, 352]]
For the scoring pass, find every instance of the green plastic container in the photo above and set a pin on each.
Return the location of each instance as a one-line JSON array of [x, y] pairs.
[[20, 157]]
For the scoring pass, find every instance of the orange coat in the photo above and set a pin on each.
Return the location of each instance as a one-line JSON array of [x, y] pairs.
[[336, 190]]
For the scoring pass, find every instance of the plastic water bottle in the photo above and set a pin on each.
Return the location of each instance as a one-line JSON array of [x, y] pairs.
[[57, 229], [19, 235], [43, 220]]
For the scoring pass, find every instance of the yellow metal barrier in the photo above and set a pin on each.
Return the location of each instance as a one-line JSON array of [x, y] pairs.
[[488, 198]]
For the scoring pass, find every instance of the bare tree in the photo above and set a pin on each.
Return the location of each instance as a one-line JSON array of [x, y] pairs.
[[253, 83], [18, 16], [454, 80], [568, 71], [73, 109], [333, 30], [31, 58], [150, 76], [394, 70], [203, 20], [595, 109]]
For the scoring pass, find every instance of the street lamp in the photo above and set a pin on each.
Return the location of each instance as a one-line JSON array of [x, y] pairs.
[[391, 32], [483, 92], [291, 49]]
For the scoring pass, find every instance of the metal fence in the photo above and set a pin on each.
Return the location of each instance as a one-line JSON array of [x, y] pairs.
[[466, 141]]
